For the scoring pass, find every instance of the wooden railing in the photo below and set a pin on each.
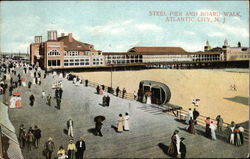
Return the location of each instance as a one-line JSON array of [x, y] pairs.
[[201, 121]]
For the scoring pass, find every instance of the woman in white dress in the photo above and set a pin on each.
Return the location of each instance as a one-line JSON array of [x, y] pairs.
[[126, 123], [212, 127], [148, 100], [13, 100]]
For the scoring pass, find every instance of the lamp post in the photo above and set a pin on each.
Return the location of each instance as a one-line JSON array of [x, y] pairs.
[[111, 78]]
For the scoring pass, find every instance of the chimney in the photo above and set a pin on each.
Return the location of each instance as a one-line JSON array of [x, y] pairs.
[[62, 34], [38, 39], [52, 35], [70, 37]]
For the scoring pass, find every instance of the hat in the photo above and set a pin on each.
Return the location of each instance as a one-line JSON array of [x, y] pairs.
[[50, 139], [182, 138]]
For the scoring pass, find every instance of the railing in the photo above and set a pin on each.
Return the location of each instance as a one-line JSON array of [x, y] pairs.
[[201, 121]]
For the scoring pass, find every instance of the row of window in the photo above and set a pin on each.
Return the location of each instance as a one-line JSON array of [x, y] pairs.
[[54, 53], [53, 62]]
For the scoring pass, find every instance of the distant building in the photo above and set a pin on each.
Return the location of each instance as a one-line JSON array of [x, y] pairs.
[[60, 52], [65, 52]]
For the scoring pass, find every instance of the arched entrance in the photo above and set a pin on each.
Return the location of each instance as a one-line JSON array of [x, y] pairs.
[[159, 93]]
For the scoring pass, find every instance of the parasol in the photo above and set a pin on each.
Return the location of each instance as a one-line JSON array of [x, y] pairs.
[[99, 118], [16, 94]]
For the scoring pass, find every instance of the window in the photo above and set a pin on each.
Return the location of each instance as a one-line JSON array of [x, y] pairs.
[[54, 53], [54, 63]]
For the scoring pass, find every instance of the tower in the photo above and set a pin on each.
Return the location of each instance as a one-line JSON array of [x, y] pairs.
[[225, 46], [207, 47]]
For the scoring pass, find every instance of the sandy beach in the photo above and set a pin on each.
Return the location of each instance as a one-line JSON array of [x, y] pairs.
[[211, 86]]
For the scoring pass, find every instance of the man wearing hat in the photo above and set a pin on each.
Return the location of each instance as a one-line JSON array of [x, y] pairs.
[[71, 149], [80, 146], [49, 148]]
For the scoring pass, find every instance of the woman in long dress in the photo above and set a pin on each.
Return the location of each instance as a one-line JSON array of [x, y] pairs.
[[13, 102], [18, 102], [208, 130], [174, 145], [120, 123], [148, 99], [126, 123], [231, 135], [191, 126], [212, 127], [237, 136]]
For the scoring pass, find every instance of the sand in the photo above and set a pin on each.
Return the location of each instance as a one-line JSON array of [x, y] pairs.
[[211, 86]]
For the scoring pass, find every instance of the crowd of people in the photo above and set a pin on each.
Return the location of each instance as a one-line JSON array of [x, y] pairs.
[[31, 137]]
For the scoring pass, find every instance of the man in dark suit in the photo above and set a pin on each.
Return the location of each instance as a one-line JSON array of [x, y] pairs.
[[107, 100], [80, 146]]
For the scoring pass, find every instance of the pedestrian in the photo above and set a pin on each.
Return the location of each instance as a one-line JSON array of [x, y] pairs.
[[86, 83], [32, 99], [213, 128], [37, 136], [71, 150], [100, 91], [104, 101], [98, 127], [241, 134], [237, 138], [43, 94], [123, 92], [208, 130], [23, 138], [107, 100], [190, 115], [97, 89], [21, 128], [120, 123], [219, 123], [174, 147], [49, 100], [70, 127], [29, 84], [80, 147], [117, 91], [182, 148], [126, 123], [61, 153], [231, 135], [49, 147], [195, 115], [60, 91], [30, 139], [135, 95], [58, 103], [191, 128]]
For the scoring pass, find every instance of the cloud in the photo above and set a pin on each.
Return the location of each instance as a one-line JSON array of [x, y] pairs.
[[148, 27], [216, 34], [110, 28], [188, 46], [189, 33]]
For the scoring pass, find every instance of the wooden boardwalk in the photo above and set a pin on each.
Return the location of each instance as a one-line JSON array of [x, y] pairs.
[[150, 133]]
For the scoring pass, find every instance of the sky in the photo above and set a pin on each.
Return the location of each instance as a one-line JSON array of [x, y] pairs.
[[118, 26]]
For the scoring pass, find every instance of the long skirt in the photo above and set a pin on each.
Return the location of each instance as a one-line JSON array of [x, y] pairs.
[[208, 131], [231, 138], [172, 150], [120, 126]]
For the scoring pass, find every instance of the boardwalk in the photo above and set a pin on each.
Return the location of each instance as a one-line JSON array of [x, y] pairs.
[[149, 126]]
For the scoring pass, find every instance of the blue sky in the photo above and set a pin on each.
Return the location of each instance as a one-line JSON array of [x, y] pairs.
[[118, 26]]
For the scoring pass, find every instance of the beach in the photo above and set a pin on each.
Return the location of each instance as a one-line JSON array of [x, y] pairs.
[[212, 87]]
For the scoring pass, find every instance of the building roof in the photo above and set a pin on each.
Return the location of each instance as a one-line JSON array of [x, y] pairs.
[[158, 50], [75, 45]]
